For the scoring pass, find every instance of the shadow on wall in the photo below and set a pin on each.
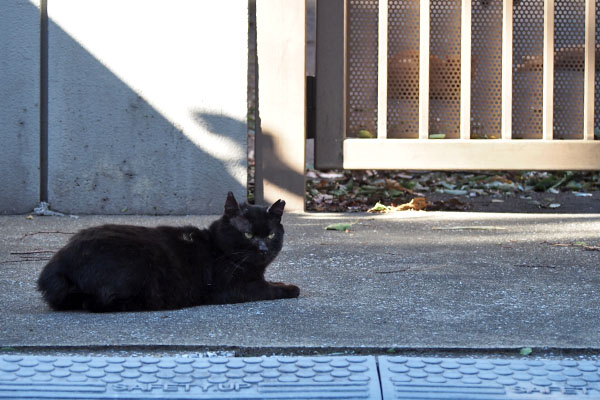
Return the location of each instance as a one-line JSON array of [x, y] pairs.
[[280, 176], [111, 152], [19, 108]]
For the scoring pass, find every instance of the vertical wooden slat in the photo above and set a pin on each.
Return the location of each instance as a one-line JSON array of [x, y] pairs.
[[590, 62], [424, 30], [465, 71], [382, 70], [330, 84], [548, 95], [280, 139], [507, 56]]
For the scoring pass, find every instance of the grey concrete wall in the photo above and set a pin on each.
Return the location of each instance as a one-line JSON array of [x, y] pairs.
[[147, 105], [19, 106]]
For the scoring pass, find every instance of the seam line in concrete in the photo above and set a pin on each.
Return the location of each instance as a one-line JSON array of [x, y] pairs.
[[44, 100]]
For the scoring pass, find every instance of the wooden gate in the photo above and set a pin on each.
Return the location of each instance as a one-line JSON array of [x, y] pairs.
[[457, 84]]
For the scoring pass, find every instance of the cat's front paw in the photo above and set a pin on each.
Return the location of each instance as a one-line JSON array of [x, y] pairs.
[[288, 291], [292, 290]]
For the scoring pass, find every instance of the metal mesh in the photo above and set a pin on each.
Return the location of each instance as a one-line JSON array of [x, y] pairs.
[[486, 64], [444, 79], [528, 42], [362, 66], [403, 69], [486, 78], [569, 48]]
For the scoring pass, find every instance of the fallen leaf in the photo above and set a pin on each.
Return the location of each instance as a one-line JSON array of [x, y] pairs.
[[416, 204], [525, 351], [498, 178], [365, 134], [341, 226], [378, 207], [29, 217]]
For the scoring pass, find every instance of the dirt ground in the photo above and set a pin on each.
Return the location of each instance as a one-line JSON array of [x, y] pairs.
[[559, 192]]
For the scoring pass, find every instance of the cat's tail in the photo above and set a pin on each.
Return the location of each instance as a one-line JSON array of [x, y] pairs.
[[57, 290]]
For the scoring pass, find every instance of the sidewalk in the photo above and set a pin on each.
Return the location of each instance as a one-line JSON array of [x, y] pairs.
[[406, 282]]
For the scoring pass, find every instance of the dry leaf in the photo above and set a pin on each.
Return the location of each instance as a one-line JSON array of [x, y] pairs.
[[416, 204]]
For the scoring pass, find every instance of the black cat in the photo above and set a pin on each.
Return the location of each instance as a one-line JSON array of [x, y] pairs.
[[133, 268]]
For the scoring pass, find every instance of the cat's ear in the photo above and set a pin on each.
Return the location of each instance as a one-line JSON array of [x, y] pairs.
[[276, 209], [231, 206]]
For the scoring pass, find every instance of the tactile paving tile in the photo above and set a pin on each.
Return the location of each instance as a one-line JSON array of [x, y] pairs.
[[468, 378], [31, 377]]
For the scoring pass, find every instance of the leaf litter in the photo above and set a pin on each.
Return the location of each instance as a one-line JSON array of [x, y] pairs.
[[380, 191]]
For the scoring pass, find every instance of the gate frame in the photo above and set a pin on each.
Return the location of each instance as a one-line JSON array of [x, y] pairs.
[[334, 150]]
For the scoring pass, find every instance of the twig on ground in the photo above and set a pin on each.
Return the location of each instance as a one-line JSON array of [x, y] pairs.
[[32, 252], [25, 260], [582, 245], [47, 233], [534, 266], [392, 272]]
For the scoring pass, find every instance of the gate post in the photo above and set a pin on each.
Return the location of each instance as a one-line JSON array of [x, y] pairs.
[[330, 84], [281, 132]]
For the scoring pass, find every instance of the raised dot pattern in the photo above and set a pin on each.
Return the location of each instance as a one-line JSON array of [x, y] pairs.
[[138, 374], [527, 376]]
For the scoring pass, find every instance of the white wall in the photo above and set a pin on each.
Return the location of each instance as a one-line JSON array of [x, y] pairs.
[[147, 105], [19, 106]]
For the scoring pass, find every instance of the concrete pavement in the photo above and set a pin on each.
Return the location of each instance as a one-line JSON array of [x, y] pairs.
[[404, 282]]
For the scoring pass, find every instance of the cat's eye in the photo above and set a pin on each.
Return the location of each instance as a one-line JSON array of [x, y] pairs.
[[248, 235], [271, 235]]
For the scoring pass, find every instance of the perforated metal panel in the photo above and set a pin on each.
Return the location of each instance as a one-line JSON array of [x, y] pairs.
[[486, 24], [403, 68], [569, 48], [528, 42], [444, 80], [486, 64], [362, 68]]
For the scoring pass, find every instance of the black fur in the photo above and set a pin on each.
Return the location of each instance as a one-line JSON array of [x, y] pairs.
[[133, 268]]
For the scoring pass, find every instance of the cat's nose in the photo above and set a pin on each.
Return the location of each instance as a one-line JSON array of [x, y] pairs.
[[262, 246]]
